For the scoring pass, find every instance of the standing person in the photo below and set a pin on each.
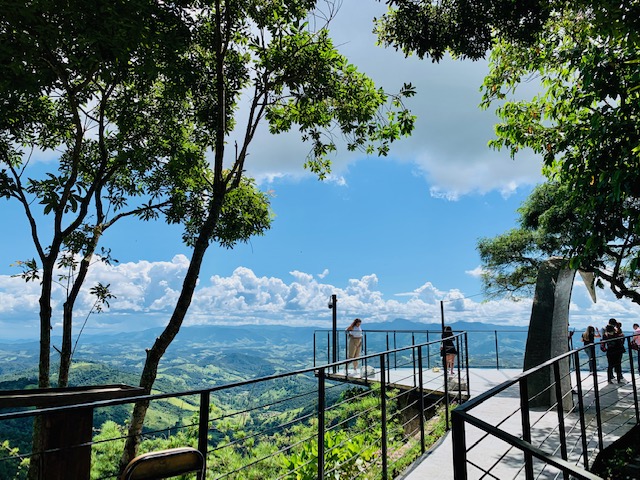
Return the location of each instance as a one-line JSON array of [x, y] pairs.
[[615, 349], [448, 349], [635, 343], [355, 342], [588, 339]]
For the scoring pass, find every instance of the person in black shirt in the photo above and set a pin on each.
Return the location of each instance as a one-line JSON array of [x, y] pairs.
[[615, 350], [448, 349]]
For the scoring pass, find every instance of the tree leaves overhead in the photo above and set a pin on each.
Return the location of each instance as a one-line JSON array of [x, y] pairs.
[[585, 125], [465, 28]]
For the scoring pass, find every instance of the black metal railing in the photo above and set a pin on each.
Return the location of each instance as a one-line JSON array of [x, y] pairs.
[[310, 423], [551, 432], [489, 348]]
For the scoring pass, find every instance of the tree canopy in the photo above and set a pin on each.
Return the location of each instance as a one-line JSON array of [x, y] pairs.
[[585, 125], [465, 29], [135, 100]]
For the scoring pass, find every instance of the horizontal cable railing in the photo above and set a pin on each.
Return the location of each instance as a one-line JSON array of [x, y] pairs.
[[551, 432], [489, 348], [310, 423]]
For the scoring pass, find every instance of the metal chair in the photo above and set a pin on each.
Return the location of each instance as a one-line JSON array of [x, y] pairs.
[[165, 464]]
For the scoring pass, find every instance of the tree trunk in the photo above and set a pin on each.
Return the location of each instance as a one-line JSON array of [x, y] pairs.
[[154, 355], [548, 332], [44, 363], [67, 314], [44, 366]]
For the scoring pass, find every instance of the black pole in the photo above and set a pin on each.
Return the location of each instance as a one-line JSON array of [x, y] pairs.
[[383, 415], [442, 352], [321, 422], [495, 333], [203, 427], [334, 319], [423, 448]]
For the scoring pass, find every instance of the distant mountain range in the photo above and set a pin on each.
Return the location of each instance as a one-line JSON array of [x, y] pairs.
[[247, 350], [252, 334]]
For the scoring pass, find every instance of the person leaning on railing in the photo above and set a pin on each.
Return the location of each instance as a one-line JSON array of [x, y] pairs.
[[355, 342]]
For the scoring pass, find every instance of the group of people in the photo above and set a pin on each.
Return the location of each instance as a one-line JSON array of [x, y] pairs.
[[354, 332], [612, 341]]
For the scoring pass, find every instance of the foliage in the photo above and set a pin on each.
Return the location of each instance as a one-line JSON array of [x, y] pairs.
[[266, 57], [82, 86], [511, 260], [13, 466], [345, 456], [465, 29], [585, 126]]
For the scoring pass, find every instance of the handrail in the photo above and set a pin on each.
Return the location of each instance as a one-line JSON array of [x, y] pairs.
[[322, 353], [462, 415], [387, 436], [161, 396]]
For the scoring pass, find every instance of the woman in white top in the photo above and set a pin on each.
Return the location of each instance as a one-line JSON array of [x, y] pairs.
[[355, 341]]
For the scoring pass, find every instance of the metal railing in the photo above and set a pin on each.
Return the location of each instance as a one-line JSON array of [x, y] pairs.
[[555, 431], [489, 348], [306, 423]]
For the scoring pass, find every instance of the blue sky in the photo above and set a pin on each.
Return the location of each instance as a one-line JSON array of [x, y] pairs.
[[390, 236]]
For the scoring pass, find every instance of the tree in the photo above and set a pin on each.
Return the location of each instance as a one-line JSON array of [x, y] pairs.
[[512, 260], [585, 126], [134, 94], [82, 85], [463, 28], [291, 76]]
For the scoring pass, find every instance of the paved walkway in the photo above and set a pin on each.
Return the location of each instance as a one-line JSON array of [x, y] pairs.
[[503, 411]]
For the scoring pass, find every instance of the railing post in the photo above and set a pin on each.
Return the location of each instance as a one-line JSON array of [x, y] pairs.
[[446, 394], [560, 410], [633, 380], [395, 353], [203, 427], [364, 341], [458, 369], [321, 419], [466, 362], [526, 427], [423, 448], [495, 334], [314, 348], [383, 415], [328, 348], [428, 351], [413, 357], [583, 425], [459, 444], [596, 395], [388, 359], [346, 348]]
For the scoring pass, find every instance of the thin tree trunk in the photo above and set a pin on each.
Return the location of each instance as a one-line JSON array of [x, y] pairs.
[[67, 320], [155, 353]]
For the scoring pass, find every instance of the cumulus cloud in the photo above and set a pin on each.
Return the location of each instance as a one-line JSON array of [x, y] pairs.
[[146, 293], [449, 146], [476, 272]]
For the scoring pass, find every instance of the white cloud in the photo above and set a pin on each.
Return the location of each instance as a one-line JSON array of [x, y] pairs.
[[449, 145], [476, 272], [146, 294]]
